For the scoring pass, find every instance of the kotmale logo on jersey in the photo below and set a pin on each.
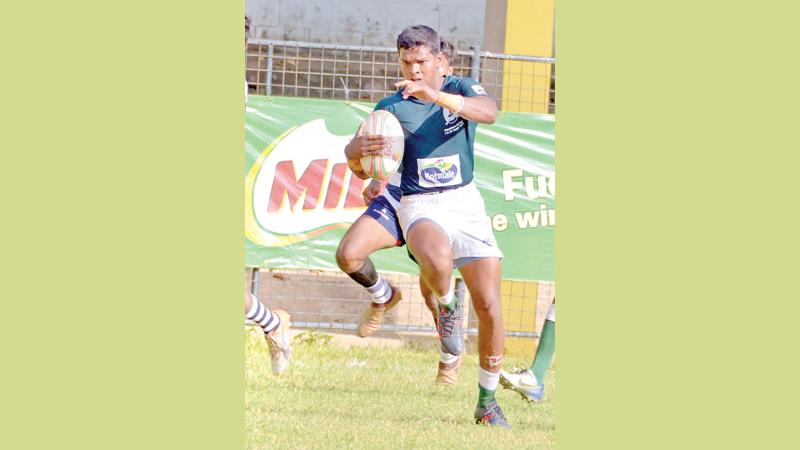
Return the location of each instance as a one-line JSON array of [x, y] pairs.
[[437, 172], [300, 187]]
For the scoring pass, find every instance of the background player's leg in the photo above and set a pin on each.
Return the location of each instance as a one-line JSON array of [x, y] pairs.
[[260, 314], [275, 325], [546, 347], [430, 300], [529, 383], [483, 281]]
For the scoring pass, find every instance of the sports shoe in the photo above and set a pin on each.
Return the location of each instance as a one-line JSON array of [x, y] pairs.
[[372, 319], [448, 373], [449, 328], [523, 382], [278, 341], [491, 414]]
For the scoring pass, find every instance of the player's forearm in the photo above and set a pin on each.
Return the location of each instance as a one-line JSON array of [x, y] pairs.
[[350, 151], [477, 109], [353, 161]]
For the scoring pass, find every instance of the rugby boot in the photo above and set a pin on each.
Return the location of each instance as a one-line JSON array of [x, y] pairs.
[[491, 414], [278, 341], [372, 319], [448, 373], [449, 326], [523, 382]]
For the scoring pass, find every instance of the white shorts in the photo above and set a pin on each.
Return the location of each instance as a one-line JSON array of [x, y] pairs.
[[460, 213]]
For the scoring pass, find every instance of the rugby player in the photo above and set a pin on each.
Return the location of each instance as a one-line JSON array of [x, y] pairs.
[[441, 212]]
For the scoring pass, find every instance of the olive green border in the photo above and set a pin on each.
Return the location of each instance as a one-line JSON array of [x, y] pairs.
[[123, 229], [676, 211]]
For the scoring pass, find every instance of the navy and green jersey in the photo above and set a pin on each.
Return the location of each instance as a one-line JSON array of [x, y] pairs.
[[438, 151]]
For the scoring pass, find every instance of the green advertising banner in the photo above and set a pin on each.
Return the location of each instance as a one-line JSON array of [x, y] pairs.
[[300, 198]]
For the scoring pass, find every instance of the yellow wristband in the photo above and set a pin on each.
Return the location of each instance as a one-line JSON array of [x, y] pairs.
[[354, 165], [450, 101]]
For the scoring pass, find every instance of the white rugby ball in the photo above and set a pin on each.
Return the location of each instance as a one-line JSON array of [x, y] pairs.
[[383, 166]]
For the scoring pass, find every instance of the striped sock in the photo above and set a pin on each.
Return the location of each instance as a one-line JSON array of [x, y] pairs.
[[381, 292], [260, 314]]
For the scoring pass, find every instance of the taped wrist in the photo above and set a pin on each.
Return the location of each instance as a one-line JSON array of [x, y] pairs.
[[450, 101], [354, 165]]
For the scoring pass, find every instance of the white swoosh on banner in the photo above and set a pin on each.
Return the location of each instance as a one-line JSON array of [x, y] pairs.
[[303, 145]]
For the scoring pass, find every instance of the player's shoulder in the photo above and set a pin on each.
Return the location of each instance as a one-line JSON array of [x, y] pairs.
[[463, 85], [388, 103]]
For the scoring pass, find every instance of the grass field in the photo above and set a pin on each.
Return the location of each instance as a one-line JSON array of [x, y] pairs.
[[378, 397]]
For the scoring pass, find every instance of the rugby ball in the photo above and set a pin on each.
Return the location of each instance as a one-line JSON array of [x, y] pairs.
[[383, 166]]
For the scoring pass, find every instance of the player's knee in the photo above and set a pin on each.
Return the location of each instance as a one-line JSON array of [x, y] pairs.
[[443, 267], [348, 260], [488, 310], [437, 260]]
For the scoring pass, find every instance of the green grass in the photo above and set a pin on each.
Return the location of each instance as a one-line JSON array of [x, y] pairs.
[[334, 397]]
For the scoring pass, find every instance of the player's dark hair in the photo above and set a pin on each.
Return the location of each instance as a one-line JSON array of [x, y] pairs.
[[447, 49], [418, 36]]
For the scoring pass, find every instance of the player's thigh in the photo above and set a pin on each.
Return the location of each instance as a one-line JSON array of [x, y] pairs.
[[428, 242], [482, 278], [366, 236]]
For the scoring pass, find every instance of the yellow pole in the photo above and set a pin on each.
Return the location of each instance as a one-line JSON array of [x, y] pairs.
[[529, 31]]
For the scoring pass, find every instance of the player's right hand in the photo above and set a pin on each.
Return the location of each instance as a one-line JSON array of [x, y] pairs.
[[372, 190], [365, 144]]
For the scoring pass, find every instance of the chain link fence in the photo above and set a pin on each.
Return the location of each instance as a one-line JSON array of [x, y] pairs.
[[327, 300], [340, 72]]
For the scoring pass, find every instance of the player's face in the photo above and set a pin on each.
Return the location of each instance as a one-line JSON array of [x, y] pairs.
[[445, 69], [418, 63]]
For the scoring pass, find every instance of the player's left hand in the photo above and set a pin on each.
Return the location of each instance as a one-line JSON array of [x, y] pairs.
[[418, 89], [372, 190]]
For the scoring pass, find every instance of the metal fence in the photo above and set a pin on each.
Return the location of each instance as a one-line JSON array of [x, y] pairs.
[[327, 300], [301, 69]]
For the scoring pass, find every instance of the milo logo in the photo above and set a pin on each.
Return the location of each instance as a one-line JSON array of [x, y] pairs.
[[441, 172], [300, 187]]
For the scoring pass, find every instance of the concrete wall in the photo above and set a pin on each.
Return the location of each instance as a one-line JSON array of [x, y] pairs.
[[365, 22], [333, 298]]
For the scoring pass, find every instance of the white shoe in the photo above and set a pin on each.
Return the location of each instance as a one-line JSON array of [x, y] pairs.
[[278, 341], [524, 383]]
